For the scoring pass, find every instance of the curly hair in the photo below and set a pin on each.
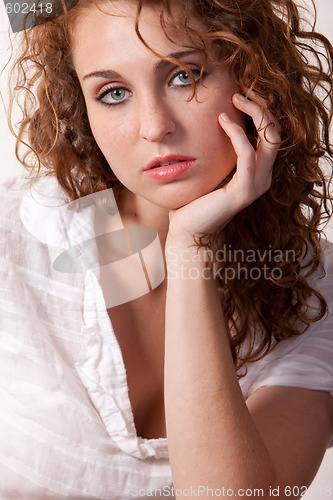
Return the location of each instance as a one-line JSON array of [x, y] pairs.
[[270, 51]]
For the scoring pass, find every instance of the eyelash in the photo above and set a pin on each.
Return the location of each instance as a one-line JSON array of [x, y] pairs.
[[200, 77]]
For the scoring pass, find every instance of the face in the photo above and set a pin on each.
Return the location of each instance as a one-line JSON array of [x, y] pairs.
[[164, 148]]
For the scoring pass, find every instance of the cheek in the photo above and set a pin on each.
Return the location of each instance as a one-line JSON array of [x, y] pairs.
[[106, 126], [212, 105], [96, 128], [221, 102], [238, 117], [234, 113], [210, 129], [108, 140]]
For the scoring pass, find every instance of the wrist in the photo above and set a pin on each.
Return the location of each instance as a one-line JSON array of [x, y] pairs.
[[179, 239], [182, 238], [189, 261]]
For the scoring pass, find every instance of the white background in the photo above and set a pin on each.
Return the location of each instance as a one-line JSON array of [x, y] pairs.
[[10, 166]]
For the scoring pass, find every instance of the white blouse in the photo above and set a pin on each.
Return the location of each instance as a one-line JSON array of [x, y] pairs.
[[66, 423]]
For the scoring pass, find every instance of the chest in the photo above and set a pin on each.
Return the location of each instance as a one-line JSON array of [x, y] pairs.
[[139, 328]]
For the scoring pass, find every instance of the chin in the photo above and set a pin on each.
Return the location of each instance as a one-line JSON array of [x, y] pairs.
[[176, 201]]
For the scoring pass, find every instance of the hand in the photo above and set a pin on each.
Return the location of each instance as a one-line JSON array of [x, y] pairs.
[[253, 176]]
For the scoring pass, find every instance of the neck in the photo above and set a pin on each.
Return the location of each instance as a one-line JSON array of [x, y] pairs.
[[136, 211]]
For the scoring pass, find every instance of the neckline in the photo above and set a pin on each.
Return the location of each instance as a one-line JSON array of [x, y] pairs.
[[102, 370]]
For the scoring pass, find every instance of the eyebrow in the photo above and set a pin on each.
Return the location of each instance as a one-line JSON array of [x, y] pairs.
[[162, 63]]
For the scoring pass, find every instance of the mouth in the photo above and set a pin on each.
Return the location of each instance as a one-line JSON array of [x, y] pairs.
[[166, 169], [166, 161]]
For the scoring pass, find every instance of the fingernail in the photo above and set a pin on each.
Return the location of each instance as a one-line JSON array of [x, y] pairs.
[[225, 118], [241, 97]]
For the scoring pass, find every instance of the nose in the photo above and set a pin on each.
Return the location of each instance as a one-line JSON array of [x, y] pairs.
[[156, 121]]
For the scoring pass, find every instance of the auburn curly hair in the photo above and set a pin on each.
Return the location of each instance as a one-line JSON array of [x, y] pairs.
[[269, 50]]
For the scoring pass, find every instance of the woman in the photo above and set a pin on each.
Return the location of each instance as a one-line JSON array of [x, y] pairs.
[[203, 119]]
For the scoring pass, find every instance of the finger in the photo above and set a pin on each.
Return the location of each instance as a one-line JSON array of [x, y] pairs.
[[249, 94], [254, 168], [262, 103], [259, 100], [242, 183], [265, 122], [268, 131]]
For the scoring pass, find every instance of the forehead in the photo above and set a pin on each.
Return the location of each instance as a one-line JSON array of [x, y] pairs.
[[109, 31]]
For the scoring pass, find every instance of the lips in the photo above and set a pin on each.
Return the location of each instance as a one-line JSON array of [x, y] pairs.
[[165, 161], [169, 168]]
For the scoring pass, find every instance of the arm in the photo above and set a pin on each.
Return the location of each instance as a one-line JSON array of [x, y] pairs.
[[209, 428], [215, 438]]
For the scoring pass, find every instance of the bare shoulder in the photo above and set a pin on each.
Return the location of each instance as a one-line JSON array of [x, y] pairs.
[[296, 425]]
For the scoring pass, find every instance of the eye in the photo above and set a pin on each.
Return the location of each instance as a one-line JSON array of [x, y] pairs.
[[182, 78], [114, 96]]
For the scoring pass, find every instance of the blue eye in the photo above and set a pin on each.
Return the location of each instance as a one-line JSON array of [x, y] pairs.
[[118, 94], [114, 96], [184, 78]]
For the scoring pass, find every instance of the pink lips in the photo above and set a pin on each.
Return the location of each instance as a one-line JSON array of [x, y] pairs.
[[168, 168]]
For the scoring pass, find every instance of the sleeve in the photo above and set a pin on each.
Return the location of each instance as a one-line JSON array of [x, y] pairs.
[[305, 361]]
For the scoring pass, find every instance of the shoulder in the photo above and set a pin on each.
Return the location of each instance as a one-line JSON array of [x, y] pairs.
[[29, 240], [12, 191], [30, 203], [22, 197], [31, 289]]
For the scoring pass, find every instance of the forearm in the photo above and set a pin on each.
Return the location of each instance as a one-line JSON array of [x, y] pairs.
[[212, 439]]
